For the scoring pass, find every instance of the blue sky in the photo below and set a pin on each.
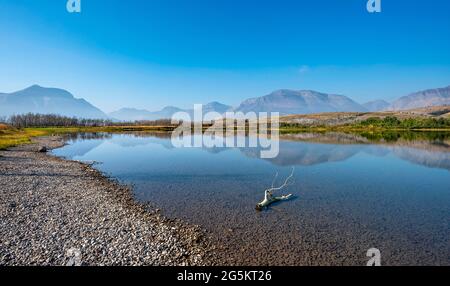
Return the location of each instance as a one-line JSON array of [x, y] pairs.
[[153, 53]]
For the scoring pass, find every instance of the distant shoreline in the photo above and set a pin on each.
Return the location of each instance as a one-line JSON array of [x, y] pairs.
[[432, 119], [12, 137]]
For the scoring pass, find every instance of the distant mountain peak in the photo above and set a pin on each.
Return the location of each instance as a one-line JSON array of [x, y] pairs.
[[286, 101], [170, 108], [215, 103], [40, 91], [35, 86], [425, 98], [43, 100]]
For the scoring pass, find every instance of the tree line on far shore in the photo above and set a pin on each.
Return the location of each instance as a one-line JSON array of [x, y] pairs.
[[36, 120], [52, 120]]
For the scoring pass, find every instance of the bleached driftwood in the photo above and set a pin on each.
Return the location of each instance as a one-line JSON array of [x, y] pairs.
[[269, 198]]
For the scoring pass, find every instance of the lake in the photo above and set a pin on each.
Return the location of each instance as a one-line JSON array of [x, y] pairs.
[[351, 193]]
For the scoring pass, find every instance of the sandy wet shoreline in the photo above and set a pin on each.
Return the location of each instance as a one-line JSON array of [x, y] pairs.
[[52, 211]]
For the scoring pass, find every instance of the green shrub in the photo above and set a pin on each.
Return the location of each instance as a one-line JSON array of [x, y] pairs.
[[409, 123]]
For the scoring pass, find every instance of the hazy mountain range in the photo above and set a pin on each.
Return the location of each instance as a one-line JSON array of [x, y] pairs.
[[430, 97], [37, 99], [132, 114], [376, 105], [299, 102]]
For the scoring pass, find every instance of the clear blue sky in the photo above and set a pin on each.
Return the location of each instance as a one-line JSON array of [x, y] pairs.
[[152, 53]]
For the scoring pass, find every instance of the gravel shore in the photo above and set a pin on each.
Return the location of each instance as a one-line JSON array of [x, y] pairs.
[[60, 212]]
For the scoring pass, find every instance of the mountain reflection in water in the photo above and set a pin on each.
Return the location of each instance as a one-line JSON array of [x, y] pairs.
[[301, 149], [353, 192]]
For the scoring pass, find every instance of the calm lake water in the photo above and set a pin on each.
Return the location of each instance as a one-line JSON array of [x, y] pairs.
[[351, 194]]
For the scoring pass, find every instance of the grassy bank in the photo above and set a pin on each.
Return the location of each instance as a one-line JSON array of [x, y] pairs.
[[373, 128], [376, 125], [10, 137]]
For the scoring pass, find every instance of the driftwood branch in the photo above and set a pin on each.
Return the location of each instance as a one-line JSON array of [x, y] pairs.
[[269, 198]]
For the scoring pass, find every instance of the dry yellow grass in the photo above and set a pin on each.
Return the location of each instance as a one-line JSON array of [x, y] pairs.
[[10, 137]]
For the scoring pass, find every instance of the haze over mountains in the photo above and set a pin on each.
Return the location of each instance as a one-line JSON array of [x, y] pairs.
[[376, 105], [299, 102], [132, 114], [37, 99], [430, 97]]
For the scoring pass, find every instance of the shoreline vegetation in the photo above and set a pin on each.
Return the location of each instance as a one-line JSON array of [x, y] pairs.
[[376, 125], [11, 137]]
